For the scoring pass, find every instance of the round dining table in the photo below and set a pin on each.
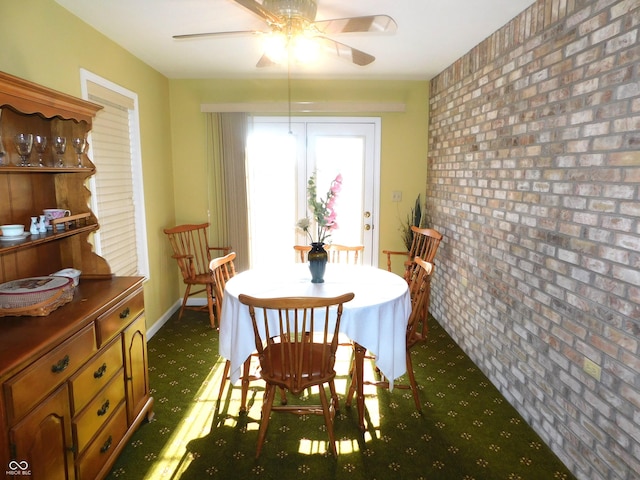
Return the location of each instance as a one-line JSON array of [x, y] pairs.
[[375, 320]]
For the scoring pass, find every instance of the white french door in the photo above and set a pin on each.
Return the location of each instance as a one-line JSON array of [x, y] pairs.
[[280, 159]]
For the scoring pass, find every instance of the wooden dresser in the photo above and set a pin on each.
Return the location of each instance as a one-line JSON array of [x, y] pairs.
[[74, 382]]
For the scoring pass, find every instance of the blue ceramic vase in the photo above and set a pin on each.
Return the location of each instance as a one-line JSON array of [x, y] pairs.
[[318, 258]]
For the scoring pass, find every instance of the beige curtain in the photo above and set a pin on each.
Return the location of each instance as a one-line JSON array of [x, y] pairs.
[[227, 135]]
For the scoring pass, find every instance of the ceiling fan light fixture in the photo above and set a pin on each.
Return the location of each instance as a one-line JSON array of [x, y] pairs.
[[305, 49], [275, 47], [299, 47]]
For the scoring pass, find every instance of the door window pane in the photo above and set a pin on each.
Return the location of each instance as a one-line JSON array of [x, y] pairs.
[[271, 190], [342, 155]]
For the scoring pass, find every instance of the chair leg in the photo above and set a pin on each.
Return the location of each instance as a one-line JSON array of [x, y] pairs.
[[218, 311], [212, 317], [283, 396], [223, 382], [184, 301], [244, 379], [351, 391], [357, 381], [334, 396], [245, 384], [267, 404], [425, 312], [328, 419], [412, 382], [425, 325]]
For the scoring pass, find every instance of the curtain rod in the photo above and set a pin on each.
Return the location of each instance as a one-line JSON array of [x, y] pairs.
[[303, 107]]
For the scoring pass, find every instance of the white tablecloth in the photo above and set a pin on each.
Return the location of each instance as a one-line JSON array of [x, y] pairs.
[[376, 318]]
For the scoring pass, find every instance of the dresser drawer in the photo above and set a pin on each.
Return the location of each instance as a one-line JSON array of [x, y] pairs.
[[95, 375], [26, 389], [119, 317], [102, 447], [98, 411]]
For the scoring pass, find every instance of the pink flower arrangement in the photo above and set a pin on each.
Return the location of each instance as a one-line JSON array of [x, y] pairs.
[[323, 210]]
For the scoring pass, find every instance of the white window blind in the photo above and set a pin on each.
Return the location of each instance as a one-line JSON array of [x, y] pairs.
[[119, 239]]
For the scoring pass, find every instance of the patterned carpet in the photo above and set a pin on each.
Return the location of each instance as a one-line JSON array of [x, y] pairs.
[[467, 430]]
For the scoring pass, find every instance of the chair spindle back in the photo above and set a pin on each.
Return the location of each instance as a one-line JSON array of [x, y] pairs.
[[296, 338]]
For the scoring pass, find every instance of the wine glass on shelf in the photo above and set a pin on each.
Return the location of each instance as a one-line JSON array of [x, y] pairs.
[[60, 146], [79, 145], [40, 142], [3, 152], [24, 144]]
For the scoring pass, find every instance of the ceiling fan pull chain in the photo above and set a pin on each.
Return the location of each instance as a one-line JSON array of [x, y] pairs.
[[289, 86]]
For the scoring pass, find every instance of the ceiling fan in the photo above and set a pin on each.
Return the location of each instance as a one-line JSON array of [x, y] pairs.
[[293, 32]]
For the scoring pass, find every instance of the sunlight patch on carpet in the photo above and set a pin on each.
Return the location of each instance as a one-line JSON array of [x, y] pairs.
[[312, 447], [197, 421]]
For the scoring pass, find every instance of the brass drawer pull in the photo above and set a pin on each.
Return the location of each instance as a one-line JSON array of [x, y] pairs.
[[61, 365], [107, 445], [101, 371], [125, 313], [103, 409]]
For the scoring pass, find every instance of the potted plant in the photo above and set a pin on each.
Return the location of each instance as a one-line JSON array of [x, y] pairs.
[[414, 218]]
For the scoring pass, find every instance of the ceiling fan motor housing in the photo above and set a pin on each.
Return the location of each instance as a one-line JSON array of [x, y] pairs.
[[305, 9]]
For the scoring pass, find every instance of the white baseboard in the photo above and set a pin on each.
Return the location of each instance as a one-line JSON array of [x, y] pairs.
[[163, 319], [192, 302]]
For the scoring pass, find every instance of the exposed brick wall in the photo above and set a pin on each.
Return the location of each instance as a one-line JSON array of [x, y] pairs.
[[534, 180]]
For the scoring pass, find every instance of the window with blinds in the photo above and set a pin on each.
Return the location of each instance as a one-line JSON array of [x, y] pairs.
[[117, 185]]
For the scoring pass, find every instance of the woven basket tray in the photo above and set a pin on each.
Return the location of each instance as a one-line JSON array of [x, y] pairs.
[[36, 296]]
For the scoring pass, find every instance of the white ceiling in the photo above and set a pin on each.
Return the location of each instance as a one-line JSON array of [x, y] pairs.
[[431, 35]]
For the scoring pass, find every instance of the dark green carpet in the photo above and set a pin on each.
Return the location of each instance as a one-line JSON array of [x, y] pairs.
[[467, 431]]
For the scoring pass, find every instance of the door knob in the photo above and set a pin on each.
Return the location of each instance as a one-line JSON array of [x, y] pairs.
[[367, 226], [367, 214]]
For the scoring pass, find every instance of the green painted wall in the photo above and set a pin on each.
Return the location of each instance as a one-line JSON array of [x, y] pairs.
[[403, 143], [44, 43]]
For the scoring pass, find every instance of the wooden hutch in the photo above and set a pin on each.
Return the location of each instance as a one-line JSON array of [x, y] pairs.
[[75, 382]]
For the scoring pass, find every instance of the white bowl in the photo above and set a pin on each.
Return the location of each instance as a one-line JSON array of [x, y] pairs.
[[71, 273], [12, 230]]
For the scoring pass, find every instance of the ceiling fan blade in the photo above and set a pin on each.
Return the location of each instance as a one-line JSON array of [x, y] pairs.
[[265, 61], [259, 10], [216, 34], [346, 52], [371, 23]]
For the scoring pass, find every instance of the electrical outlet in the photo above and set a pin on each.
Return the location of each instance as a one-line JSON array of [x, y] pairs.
[[592, 368], [396, 196]]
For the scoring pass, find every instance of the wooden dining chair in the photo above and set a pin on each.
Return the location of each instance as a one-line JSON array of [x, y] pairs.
[[193, 253], [301, 252], [418, 288], [223, 270], [351, 254], [424, 245], [296, 340]]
